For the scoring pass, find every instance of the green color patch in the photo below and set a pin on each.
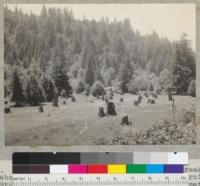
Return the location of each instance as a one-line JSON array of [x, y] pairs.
[[136, 168]]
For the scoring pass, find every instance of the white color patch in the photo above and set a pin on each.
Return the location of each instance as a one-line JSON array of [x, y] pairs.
[[178, 158], [58, 169]]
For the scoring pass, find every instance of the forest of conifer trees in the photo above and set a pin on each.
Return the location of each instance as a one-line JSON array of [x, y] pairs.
[[55, 52]]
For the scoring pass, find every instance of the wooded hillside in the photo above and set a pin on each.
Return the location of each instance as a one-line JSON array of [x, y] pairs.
[[54, 52]]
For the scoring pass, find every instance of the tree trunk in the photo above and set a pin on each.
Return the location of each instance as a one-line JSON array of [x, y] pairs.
[[111, 109], [101, 112]]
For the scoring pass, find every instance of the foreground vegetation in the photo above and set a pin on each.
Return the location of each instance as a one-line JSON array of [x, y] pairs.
[[77, 123]]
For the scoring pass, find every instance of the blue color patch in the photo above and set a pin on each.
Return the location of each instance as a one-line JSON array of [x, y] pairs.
[[155, 169]]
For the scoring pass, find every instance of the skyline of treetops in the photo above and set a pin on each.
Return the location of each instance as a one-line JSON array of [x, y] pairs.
[[55, 52]]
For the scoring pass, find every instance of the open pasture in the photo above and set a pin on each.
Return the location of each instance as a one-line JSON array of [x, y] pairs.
[[77, 123]]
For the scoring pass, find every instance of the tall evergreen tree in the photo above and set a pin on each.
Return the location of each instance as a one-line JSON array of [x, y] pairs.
[[184, 67], [59, 22], [125, 75], [60, 77], [48, 86], [120, 49], [34, 91], [17, 89], [89, 73]]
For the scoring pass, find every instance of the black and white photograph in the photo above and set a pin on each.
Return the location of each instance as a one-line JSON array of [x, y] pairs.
[[99, 74]]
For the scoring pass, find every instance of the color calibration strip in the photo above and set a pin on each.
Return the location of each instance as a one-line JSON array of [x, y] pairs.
[[98, 169], [99, 163], [101, 158]]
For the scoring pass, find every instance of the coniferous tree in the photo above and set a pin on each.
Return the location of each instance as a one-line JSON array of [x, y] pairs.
[[80, 87], [59, 23], [183, 69], [120, 49], [62, 82], [34, 91], [17, 89], [89, 73], [165, 79], [58, 72], [48, 86], [98, 89], [125, 75]]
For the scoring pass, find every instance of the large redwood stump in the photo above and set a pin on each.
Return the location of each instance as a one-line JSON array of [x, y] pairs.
[[41, 109], [64, 102], [73, 99], [111, 109], [125, 121], [55, 101], [101, 113]]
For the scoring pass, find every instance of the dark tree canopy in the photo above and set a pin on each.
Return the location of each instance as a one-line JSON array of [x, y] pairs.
[[59, 51]]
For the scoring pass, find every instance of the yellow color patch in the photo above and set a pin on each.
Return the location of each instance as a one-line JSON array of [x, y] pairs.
[[116, 169]]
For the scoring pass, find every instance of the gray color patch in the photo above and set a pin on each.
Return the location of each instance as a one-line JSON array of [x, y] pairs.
[[141, 158]]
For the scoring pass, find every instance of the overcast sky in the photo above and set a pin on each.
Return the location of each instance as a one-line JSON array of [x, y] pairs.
[[168, 20]]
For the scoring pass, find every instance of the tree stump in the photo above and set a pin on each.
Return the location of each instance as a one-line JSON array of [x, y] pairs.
[[6, 107], [154, 95], [170, 96], [55, 98], [136, 103], [41, 109], [7, 110], [139, 98], [111, 109], [121, 100], [55, 102], [125, 121], [101, 112], [73, 99]]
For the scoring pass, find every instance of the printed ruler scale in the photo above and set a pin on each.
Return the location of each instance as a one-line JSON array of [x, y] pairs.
[[101, 180], [78, 169]]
